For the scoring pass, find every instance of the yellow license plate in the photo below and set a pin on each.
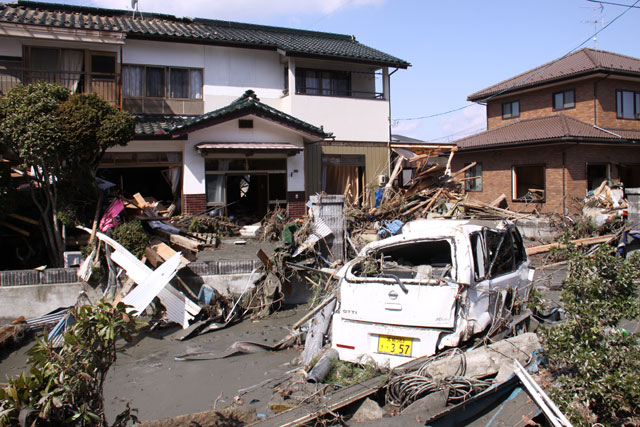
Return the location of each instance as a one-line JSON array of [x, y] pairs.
[[400, 346]]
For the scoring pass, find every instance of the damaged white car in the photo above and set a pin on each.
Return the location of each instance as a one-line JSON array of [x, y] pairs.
[[433, 286]]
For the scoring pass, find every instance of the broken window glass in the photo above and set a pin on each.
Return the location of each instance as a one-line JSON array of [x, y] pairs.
[[500, 251], [419, 261]]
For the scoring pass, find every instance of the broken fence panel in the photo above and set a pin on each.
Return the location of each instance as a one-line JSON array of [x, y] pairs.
[[180, 309], [551, 411], [146, 291]]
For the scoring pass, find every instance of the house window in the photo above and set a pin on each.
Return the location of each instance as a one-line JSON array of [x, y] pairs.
[[161, 82], [596, 174], [528, 183], [323, 82], [474, 178], [154, 82], [511, 109], [628, 104], [564, 100]]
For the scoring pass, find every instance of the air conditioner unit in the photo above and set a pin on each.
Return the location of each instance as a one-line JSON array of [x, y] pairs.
[[383, 180]]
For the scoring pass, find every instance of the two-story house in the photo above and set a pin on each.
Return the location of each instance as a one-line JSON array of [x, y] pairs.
[[229, 115], [557, 131]]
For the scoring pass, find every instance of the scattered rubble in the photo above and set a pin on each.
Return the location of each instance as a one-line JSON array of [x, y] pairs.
[[426, 294]]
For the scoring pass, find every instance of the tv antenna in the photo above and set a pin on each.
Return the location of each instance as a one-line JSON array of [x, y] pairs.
[[595, 21], [136, 8]]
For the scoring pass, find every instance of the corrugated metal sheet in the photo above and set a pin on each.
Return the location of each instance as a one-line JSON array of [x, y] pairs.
[[330, 208]]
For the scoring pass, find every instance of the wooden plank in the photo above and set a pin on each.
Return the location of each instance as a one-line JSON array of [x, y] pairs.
[[24, 219], [140, 201], [18, 230], [313, 312], [464, 169], [265, 260], [496, 203], [586, 241]]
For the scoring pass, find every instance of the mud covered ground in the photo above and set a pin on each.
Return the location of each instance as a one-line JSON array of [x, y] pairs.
[[159, 386]]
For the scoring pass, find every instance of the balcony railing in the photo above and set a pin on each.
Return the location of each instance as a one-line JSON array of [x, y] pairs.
[[106, 86]]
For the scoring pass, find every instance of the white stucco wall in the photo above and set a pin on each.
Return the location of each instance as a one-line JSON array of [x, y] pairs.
[[262, 131], [10, 46], [295, 172], [350, 119], [228, 72]]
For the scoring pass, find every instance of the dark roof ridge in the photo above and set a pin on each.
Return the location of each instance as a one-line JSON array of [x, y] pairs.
[[516, 83], [154, 15], [531, 71]]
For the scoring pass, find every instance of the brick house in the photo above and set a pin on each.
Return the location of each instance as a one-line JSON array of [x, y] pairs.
[[556, 132], [230, 116]]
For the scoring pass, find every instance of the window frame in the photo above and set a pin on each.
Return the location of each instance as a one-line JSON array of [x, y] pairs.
[[334, 76], [510, 115], [514, 183], [564, 102], [469, 173], [620, 104], [166, 81]]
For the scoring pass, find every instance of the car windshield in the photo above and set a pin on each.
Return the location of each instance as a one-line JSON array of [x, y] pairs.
[[416, 261]]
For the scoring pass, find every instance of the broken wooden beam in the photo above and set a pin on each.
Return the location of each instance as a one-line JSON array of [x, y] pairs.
[[578, 242]]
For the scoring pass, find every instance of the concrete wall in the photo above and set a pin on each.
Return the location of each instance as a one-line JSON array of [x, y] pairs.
[[35, 300]]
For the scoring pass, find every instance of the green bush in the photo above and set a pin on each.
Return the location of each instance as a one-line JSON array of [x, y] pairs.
[[66, 386], [132, 236], [596, 364]]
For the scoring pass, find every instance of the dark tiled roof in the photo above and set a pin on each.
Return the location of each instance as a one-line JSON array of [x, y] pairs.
[[557, 128], [247, 104], [157, 125], [153, 26], [581, 62]]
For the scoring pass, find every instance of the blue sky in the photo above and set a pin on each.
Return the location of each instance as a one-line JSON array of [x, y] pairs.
[[456, 47]]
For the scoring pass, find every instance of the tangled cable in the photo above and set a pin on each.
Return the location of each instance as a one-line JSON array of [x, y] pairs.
[[406, 389]]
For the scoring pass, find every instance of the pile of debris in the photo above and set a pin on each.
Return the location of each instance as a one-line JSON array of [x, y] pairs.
[[605, 204]]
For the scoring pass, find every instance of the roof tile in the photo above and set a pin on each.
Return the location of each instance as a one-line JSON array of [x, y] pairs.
[[212, 31], [583, 61], [556, 128]]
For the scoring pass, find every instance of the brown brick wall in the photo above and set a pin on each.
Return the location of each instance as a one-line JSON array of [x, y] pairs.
[[296, 209], [497, 164], [194, 203], [539, 103]]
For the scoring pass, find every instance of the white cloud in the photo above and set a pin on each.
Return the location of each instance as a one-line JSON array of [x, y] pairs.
[[406, 127], [237, 10], [463, 123]]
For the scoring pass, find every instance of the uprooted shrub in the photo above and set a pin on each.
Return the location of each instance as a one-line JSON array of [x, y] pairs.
[[595, 363], [65, 386], [132, 236]]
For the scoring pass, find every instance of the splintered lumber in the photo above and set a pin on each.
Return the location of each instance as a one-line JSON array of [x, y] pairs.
[[313, 312], [579, 242], [491, 210], [140, 201], [496, 203], [160, 251], [188, 243], [24, 219], [18, 230], [429, 202], [464, 169]]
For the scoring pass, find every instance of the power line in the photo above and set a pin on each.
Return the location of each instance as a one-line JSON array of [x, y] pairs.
[[629, 7], [614, 4]]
